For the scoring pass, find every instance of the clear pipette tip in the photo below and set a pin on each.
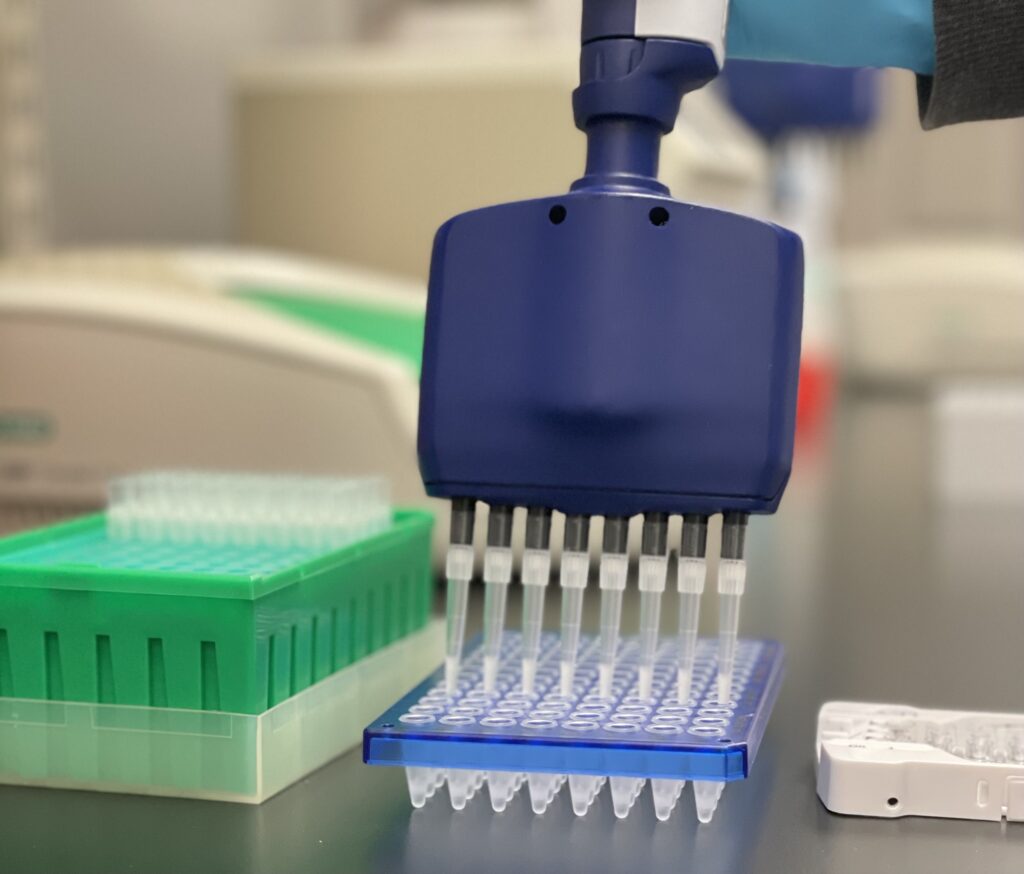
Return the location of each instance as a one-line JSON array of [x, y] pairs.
[[529, 674], [692, 574], [495, 600], [611, 620], [731, 579], [535, 576], [573, 577], [572, 609], [650, 614], [490, 672], [459, 571], [497, 576], [614, 570], [651, 579], [451, 674], [458, 595]]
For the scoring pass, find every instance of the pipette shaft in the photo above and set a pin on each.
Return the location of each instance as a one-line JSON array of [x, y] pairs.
[[497, 576], [535, 576], [732, 575], [652, 572], [613, 572], [573, 582], [459, 572], [691, 576]]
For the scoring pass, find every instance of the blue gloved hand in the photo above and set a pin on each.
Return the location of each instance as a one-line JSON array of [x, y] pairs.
[[838, 33]]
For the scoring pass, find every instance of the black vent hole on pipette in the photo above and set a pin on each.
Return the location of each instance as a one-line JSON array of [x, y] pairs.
[[557, 214], [893, 801], [659, 216]]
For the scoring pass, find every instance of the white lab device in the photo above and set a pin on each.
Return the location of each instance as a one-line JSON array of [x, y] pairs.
[[889, 760], [115, 361]]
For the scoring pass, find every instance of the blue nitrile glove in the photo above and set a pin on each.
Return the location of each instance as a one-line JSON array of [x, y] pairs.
[[837, 33]]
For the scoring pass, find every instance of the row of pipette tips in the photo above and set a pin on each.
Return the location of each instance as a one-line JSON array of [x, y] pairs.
[[584, 789], [241, 509], [613, 574]]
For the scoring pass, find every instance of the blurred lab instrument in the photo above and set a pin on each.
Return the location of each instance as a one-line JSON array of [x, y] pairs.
[[115, 361]]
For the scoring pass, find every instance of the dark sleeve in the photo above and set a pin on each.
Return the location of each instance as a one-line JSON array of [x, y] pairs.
[[979, 63]]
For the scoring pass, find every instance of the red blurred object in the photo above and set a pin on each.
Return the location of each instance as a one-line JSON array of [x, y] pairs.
[[815, 395]]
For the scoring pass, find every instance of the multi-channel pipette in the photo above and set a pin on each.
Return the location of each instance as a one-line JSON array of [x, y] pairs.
[[611, 352]]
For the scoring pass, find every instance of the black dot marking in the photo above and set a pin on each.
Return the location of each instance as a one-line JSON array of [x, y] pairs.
[[893, 802], [659, 216], [557, 214]]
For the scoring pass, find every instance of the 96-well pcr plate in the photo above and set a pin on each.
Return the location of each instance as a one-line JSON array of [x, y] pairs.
[[545, 739]]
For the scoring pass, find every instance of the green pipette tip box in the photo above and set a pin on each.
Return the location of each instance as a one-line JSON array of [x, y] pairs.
[[217, 627], [208, 670]]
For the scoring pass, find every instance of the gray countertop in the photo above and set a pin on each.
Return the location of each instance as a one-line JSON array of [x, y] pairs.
[[879, 591]]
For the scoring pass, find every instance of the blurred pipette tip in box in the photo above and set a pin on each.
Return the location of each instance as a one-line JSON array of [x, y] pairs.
[[504, 737], [244, 509]]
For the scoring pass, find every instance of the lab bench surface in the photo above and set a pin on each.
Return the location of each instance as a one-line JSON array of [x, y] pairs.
[[880, 592]]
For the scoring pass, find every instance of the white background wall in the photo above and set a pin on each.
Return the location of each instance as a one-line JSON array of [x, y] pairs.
[[138, 110]]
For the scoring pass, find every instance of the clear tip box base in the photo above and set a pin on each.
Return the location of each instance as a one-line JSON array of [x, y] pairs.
[[201, 754]]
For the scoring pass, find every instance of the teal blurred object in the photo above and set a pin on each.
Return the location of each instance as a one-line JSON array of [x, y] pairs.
[[836, 33]]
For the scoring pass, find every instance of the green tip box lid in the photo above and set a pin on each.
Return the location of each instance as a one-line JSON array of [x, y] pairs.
[[197, 626]]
